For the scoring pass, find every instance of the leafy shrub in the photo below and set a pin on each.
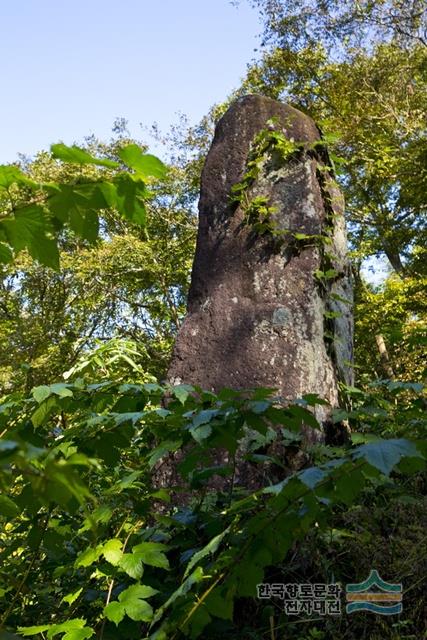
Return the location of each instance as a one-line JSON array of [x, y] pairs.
[[93, 544]]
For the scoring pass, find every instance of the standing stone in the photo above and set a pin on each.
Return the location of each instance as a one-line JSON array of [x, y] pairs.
[[260, 312]]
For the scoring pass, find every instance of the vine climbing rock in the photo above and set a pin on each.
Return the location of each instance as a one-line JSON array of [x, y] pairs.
[[270, 297]]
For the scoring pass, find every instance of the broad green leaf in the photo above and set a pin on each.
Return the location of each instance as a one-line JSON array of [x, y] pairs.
[[65, 200], [152, 553], [304, 415], [79, 634], [209, 549], [205, 416], [258, 406], [194, 578], [9, 174], [128, 198], [143, 163], [131, 563], [112, 551], [129, 481], [182, 391], [220, 605], [74, 629], [32, 631], [256, 422], [131, 602], [115, 611], [384, 455], [85, 223], [6, 254], [312, 476], [66, 627], [61, 474], [139, 610], [44, 411], [61, 389], [8, 508], [249, 575], [101, 514], [88, 556], [72, 597], [199, 620], [349, 485], [201, 432], [45, 250], [131, 416], [163, 449], [136, 592], [312, 399], [25, 227], [41, 393], [75, 154]]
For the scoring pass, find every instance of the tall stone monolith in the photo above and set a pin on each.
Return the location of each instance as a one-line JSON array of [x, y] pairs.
[[270, 298]]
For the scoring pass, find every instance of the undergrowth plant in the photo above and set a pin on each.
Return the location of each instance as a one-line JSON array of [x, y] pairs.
[[93, 543]]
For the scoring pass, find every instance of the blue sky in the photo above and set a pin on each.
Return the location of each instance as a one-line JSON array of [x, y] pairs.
[[70, 68]]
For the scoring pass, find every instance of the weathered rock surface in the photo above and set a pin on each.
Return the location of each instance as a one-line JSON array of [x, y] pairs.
[[258, 315]]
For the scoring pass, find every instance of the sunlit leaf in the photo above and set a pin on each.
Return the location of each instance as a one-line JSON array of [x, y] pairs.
[[77, 155]]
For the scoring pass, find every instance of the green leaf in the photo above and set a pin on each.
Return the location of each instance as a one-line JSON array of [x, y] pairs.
[[45, 250], [194, 578], [8, 508], [304, 415], [131, 563], [85, 223], [115, 612], [312, 476], [384, 455], [65, 200], [25, 227], [77, 155], [139, 610], [79, 634], [112, 551], [76, 624], [101, 514], [135, 592], [74, 629], [143, 163], [182, 391], [259, 406], [41, 393], [9, 175], [208, 549], [163, 449], [127, 196], [44, 411], [6, 254], [220, 606], [88, 556], [201, 433], [132, 603], [152, 553], [348, 486], [32, 631], [72, 597]]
